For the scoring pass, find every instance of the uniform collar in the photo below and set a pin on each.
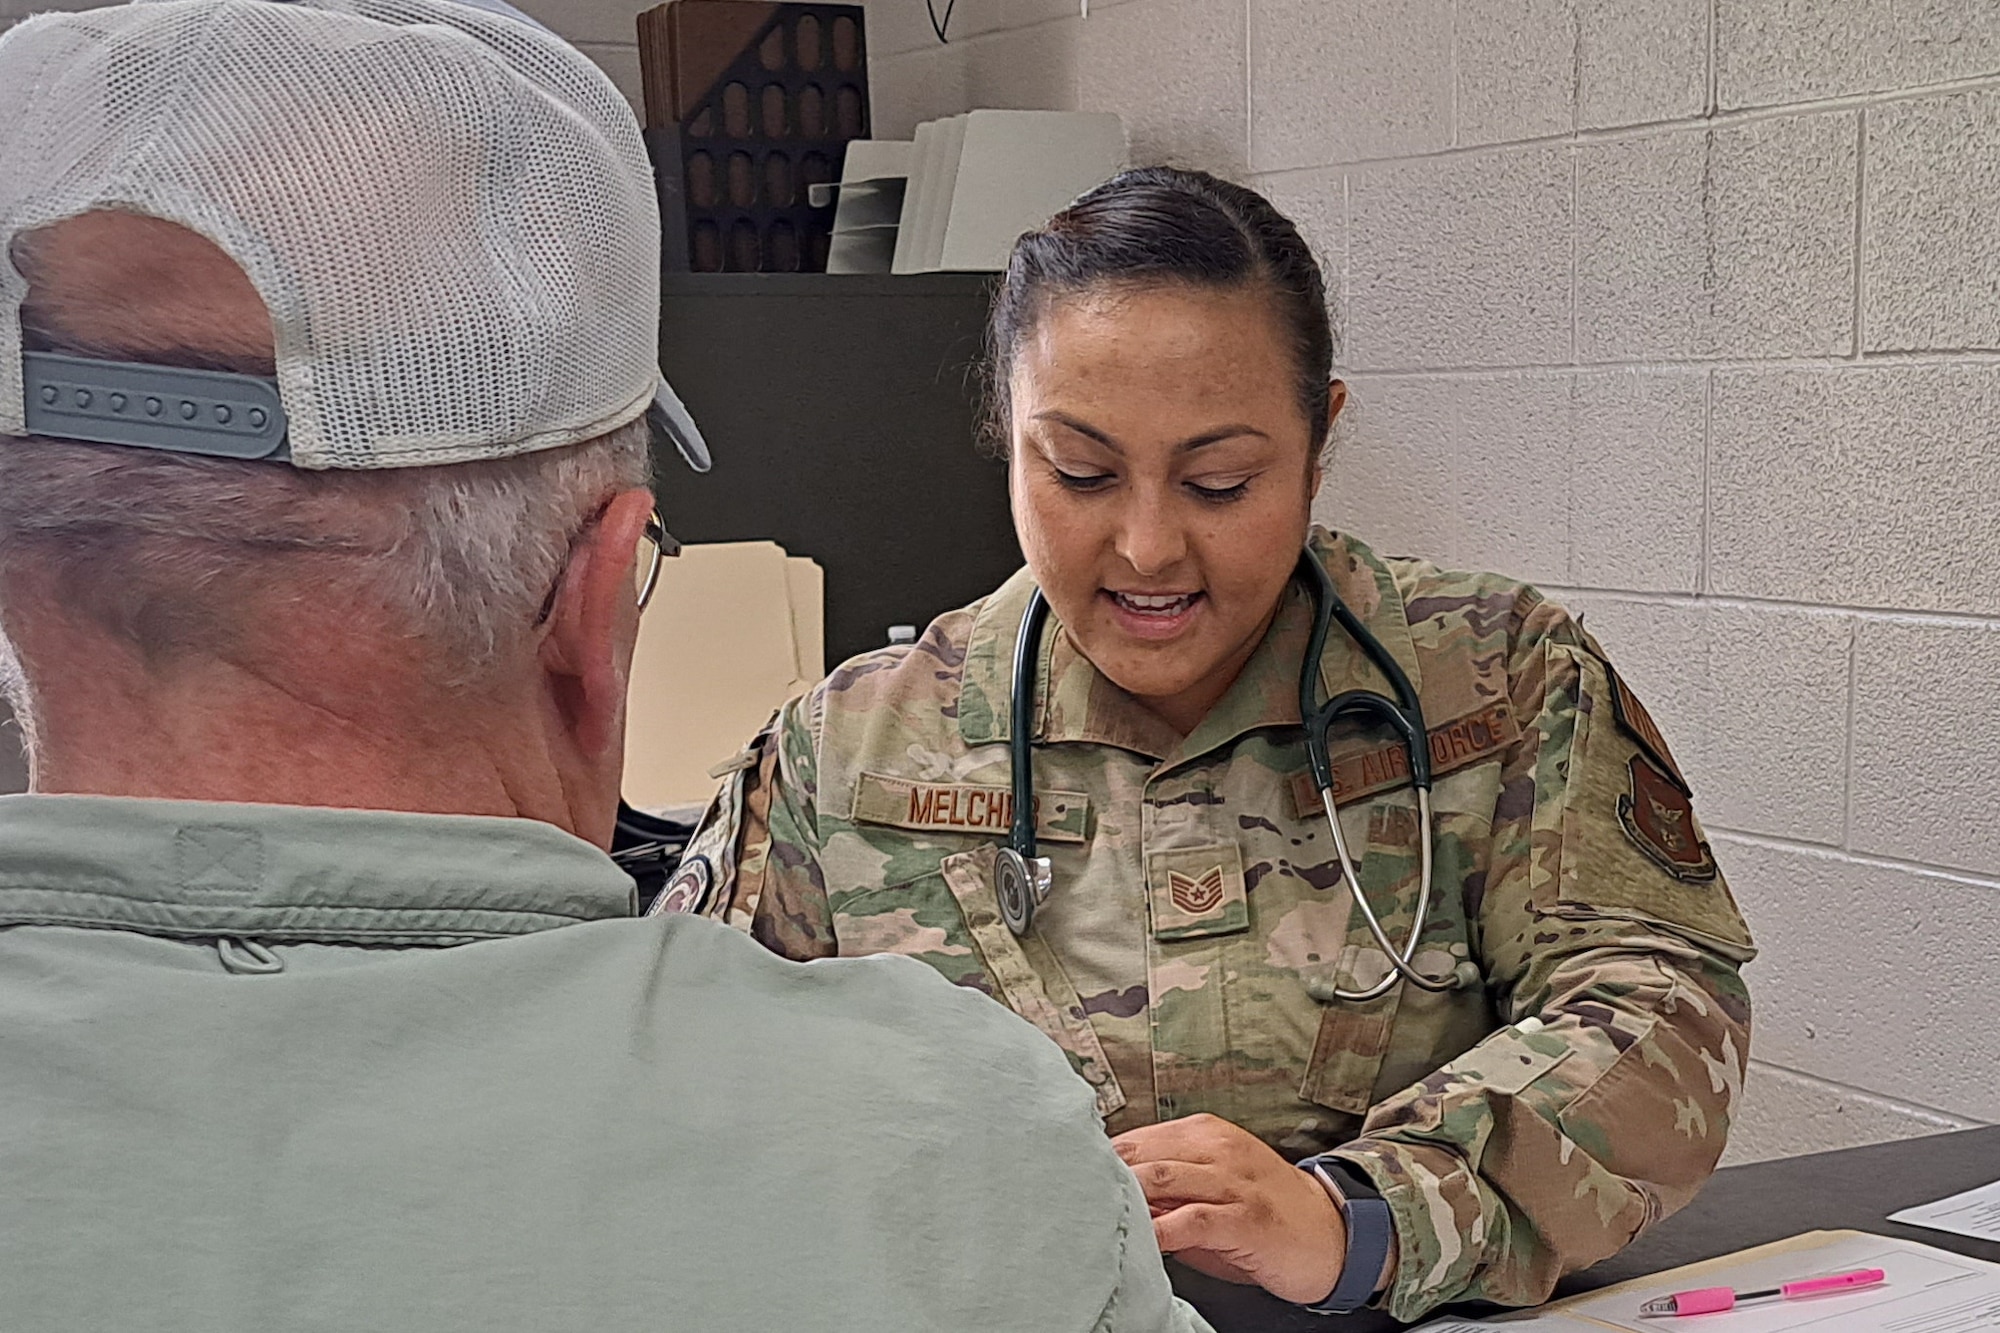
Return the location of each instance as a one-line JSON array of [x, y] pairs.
[[1076, 703], [186, 868]]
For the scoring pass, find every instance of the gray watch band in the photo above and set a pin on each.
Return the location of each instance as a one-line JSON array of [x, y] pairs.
[[1369, 1233]]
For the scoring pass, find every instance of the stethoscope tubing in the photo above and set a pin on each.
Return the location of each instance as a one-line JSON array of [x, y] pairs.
[[1022, 878], [1405, 715], [1026, 646], [1402, 965]]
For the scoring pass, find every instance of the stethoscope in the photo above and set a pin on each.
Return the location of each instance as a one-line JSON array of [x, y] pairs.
[[1022, 879]]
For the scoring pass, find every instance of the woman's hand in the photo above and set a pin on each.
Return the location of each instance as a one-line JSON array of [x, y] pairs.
[[1225, 1204]]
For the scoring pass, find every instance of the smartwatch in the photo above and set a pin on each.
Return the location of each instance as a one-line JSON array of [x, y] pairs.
[[1369, 1232]]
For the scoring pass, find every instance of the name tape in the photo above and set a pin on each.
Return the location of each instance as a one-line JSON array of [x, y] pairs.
[[963, 807]]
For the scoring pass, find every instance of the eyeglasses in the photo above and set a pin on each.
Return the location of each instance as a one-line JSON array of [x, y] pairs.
[[654, 548], [655, 545]]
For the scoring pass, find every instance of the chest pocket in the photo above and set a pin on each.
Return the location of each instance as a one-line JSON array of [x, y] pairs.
[[950, 919], [1367, 1050]]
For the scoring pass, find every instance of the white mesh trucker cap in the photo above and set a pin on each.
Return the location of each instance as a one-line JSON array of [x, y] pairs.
[[447, 210]]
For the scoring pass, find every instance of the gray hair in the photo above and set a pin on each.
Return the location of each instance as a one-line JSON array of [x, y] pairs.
[[14, 692], [163, 551], [159, 550]]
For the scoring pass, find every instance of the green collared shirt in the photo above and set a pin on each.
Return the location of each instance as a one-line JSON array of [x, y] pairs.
[[270, 1067]]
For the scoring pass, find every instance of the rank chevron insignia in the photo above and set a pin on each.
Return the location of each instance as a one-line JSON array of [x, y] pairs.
[[1193, 895]]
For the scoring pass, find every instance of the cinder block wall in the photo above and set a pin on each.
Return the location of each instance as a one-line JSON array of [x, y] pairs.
[[1688, 310]]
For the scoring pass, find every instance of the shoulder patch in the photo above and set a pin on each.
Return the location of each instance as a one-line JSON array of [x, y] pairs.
[[1639, 725], [687, 892], [1659, 819]]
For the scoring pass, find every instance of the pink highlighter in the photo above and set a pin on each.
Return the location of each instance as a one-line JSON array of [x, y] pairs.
[[1714, 1300]]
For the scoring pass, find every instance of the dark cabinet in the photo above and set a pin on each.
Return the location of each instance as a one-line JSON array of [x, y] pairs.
[[842, 415]]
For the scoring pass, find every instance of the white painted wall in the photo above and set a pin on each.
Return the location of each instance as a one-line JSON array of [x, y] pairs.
[[1690, 311]]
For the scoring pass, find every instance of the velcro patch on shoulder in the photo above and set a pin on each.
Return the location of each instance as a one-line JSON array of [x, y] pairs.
[[963, 807], [687, 892], [1372, 770], [1659, 819], [1639, 725]]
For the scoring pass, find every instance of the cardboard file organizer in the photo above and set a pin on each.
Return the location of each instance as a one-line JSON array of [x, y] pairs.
[[748, 105], [958, 198], [983, 178], [870, 209]]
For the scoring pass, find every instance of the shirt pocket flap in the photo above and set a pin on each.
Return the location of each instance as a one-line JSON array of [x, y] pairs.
[[1029, 978]]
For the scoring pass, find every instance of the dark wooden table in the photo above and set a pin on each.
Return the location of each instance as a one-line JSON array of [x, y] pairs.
[[1742, 1206]]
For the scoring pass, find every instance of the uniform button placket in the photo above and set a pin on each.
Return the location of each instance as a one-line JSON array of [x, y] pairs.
[[1149, 834]]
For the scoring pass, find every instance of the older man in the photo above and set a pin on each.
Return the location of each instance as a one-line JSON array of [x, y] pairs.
[[325, 363]]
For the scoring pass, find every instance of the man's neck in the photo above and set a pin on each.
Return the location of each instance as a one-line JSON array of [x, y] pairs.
[[234, 736]]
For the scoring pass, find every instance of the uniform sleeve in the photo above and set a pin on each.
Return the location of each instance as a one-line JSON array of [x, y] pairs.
[[1612, 948], [761, 837]]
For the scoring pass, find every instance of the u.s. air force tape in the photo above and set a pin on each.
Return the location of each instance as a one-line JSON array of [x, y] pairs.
[[1369, 768]]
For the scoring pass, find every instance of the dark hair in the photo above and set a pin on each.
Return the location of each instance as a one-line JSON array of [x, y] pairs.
[[1160, 225]]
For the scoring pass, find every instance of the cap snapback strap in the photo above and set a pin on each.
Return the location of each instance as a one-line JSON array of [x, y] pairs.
[[204, 412]]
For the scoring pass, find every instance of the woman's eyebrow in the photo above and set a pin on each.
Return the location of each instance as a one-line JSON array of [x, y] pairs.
[[1064, 419], [1219, 434], [1207, 437]]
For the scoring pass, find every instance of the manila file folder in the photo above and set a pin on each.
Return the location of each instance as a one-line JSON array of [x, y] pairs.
[[734, 630]]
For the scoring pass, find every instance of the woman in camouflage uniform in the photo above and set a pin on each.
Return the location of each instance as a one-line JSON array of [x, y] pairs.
[[1161, 367]]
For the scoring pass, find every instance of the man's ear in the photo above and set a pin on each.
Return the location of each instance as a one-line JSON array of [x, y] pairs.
[[586, 653]]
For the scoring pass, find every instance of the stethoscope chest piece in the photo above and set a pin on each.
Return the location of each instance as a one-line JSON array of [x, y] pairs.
[[1022, 885]]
